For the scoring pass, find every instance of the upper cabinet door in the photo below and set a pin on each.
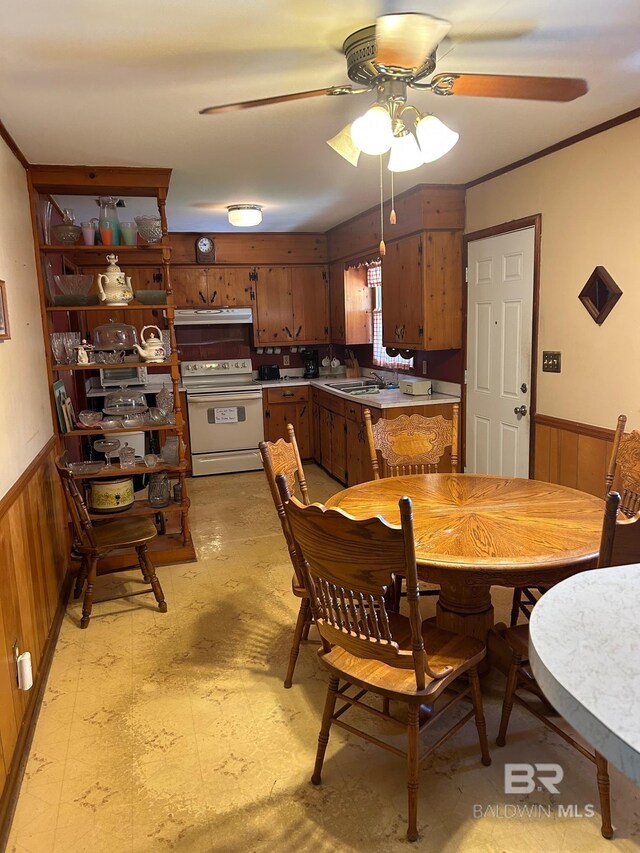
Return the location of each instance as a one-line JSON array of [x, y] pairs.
[[443, 290], [337, 302], [310, 289], [358, 307], [402, 294], [189, 287], [238, 287], [273, 320]]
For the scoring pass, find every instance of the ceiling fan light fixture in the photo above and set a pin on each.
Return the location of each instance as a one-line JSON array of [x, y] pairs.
[[244, 215], [372, 132], [405, 153], [343, 144], [434, 137]]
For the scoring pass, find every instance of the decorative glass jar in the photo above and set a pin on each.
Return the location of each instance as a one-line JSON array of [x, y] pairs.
[[159, 489]]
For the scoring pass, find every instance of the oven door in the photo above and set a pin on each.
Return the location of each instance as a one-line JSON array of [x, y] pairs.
[[221, 421]]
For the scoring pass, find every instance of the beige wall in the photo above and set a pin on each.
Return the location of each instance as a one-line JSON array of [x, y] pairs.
[[25, 414], [589, 198]]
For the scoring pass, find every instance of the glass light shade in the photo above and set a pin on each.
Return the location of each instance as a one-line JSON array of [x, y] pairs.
[[435, 138], [343, 145], [372, 132], [405, 153], [244, 215]]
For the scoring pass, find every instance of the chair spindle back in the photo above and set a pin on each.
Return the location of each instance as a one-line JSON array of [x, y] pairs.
[[411, 444], [283, 457], [80, 519]]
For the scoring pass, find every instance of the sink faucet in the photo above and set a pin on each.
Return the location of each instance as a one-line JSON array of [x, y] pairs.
[[383, 382]]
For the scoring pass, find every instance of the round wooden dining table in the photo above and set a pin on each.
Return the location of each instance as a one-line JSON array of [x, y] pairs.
[[473, 531]]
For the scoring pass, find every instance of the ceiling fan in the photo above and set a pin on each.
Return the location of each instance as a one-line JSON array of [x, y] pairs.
[[400, 51]]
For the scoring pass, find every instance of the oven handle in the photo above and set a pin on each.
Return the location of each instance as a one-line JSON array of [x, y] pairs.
[[237, 398]]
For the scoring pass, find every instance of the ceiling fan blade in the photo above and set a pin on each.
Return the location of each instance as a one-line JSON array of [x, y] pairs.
[[405, 40], [505, 86], [278, 99]]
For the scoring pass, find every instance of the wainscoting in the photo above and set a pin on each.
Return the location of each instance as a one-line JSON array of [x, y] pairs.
[[34, 559], [572, 454]]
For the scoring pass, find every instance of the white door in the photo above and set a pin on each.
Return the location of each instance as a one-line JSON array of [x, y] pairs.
[[499, 333]]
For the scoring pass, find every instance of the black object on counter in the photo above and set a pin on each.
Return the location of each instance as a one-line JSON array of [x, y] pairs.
[[310, 358], [268, 371]]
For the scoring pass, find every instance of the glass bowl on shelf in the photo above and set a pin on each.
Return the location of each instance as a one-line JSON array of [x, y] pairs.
[[89, 419], [66, 234], [115, 336], [149, 228], [74, 285]]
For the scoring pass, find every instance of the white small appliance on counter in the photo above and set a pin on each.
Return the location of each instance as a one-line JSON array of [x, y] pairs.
[[416, 387]]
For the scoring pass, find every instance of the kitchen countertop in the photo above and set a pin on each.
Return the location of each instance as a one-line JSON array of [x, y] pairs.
[[386, 399], [584, 649]]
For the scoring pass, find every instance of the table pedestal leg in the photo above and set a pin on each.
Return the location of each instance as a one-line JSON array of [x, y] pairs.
[[465, 609]]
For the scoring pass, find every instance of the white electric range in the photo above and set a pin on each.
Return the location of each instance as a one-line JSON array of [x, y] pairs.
[[225, 416]]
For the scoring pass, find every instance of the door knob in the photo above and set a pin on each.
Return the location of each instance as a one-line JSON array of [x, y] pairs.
[[520, 410]]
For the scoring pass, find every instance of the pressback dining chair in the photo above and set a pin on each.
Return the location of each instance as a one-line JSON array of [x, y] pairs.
[[348, 566], [411, 444], [620, 537], [624, 468], [283, 457], [93, 542]]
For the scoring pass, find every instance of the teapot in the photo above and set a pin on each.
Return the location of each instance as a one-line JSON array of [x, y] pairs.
[[152, 349], [114, 287]]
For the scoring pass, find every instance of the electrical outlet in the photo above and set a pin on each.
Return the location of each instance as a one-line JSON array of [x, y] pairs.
[[424, 368], [286, 360], [551, 362]]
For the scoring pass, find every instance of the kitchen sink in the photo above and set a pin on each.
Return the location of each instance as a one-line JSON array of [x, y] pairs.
[[358, 387]]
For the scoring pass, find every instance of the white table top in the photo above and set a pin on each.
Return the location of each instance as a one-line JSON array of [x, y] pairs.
[[584, 648]]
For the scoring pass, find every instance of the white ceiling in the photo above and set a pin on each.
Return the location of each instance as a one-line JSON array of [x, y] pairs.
[[122, 83]]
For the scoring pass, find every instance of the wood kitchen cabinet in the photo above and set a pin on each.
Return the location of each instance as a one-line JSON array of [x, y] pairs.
[[350, 305], [292, 306], [330, 426], [282, 406], [422, 292], [213, 287]]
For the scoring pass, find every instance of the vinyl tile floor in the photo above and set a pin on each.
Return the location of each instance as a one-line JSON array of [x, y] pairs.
[[162, 732]]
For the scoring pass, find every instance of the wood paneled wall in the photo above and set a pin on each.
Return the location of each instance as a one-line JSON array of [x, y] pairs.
[[34, 558], [572, 454], [258, 248], [422, 208]]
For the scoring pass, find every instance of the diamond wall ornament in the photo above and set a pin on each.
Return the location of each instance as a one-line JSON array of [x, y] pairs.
[[599, 294]]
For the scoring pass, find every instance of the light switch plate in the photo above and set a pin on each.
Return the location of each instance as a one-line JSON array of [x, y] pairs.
[[551, 362]]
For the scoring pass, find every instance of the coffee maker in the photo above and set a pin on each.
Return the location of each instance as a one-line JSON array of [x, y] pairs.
[[310, 358]]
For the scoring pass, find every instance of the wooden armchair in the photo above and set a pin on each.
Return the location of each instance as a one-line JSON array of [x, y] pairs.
[[349, 566], [411, 444], [620, 540], [623, 474], [92, 542], [283, 457]]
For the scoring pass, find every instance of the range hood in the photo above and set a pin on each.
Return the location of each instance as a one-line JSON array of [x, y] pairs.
[[212, 316]]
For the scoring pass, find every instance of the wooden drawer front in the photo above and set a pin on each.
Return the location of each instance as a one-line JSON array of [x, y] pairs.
[[299, 394], [334, 404], [353, 412]]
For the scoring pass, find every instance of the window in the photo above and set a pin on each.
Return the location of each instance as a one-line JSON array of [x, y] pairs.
[[380, 357]]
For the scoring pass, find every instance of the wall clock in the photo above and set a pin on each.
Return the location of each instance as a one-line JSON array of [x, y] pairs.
[[205, 250]]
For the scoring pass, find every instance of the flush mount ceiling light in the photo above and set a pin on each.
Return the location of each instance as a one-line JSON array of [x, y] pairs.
[[244, 215]]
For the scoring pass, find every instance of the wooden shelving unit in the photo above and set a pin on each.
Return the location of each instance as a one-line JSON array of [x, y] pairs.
[[174, 545]]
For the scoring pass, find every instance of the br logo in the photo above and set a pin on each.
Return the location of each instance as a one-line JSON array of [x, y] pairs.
[[526, 778]]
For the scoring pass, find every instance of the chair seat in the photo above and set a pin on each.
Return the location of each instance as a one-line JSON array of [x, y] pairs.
[[518, 639], [124, 531], [443, 648]]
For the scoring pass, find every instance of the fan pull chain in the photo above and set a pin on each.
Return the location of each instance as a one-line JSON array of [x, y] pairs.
[[392, 215], [382, 248]]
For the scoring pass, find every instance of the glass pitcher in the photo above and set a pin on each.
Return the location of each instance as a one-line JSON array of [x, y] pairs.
[[159, 489], [109, 217]]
